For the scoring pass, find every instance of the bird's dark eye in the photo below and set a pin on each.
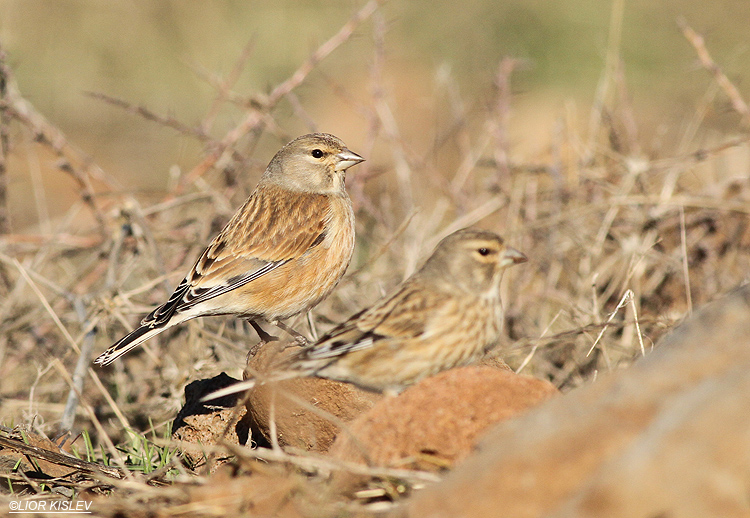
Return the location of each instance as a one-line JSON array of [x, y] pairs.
[[317, 153], [483, 251]]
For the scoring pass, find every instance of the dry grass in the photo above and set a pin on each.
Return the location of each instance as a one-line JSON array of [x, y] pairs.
[[623, 242]]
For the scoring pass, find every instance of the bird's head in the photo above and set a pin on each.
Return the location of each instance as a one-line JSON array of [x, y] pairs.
[[472, 260], [314, 163]]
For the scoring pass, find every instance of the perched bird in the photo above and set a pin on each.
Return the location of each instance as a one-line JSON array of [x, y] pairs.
[[282, 252], [445, 315]]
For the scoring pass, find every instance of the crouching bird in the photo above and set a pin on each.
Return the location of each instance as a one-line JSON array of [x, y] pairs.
[[445, 315]]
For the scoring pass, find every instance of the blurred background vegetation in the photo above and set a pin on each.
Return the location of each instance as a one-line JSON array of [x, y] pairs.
[[159, 53], [614, 160]]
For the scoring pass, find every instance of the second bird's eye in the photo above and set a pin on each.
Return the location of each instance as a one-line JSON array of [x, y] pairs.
[[483, 251], [317, 153]]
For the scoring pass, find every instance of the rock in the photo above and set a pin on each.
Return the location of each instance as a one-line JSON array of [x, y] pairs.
[[436, 423], [203, 424], [309, 426], [667, 437]]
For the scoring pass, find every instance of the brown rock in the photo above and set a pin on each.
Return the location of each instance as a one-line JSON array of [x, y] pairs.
[[203, 424], [668, 437], [700, 445], [306, 410], [436, 422]]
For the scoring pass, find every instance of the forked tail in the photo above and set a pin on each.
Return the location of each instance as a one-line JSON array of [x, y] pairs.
[[131, 341]]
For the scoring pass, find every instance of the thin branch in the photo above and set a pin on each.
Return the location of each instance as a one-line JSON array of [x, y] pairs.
[[309, 461], [387, 120], [79, 374], [5, 75], [698, 43], [322, 52], [256, 119], [147, 114], [685, 262], [224, 87], [57, 458], [17, 107], [502, 119]]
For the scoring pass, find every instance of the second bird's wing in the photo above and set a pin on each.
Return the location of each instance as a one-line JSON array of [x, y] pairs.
[[403, 315]]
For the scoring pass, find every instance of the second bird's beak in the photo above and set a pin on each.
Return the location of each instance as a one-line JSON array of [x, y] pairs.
[[346, 159], [512, 256]]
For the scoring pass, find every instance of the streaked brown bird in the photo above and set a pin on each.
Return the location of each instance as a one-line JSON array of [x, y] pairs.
[[282, 252], [445, 315]]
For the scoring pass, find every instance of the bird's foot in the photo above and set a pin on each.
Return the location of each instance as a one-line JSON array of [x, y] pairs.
[[264, 339], [300, 339]]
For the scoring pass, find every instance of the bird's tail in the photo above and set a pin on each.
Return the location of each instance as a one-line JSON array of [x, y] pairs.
[[131, 341]]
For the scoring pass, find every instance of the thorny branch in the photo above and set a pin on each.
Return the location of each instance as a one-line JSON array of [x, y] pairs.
[[257, 118], [696, 40], [15, 106]]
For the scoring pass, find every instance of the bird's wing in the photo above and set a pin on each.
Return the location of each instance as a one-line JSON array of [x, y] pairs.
[[269, 230], [403, 315]]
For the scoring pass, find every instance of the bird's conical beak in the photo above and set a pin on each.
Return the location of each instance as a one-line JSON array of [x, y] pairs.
[[512, 256], [346, 159]]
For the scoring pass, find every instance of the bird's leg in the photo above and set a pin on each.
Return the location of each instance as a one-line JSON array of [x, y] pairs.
[[311, 324], [298, 337], [264, 339]]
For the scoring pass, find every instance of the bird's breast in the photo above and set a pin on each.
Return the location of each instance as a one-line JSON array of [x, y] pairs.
[[340, 225], [304, 282]]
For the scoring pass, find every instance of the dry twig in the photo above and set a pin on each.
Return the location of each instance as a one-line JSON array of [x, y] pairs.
[[696, 40]]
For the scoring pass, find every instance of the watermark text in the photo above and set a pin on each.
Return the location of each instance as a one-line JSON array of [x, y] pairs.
[[50, 506]]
